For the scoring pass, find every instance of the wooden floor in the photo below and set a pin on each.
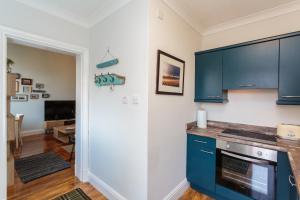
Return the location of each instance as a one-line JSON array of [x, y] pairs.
[[191, 194], [51, 186]]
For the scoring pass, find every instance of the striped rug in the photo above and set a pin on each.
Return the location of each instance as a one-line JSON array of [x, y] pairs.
[[36, 166], [76, 194]]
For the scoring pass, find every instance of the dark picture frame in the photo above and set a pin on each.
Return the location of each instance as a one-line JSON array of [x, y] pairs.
[[26, 81], [171, 83], [34, 96], [45, 96]]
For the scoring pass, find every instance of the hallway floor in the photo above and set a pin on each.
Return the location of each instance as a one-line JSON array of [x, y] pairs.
[[50, 186]]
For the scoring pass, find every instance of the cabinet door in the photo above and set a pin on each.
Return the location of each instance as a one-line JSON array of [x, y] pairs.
[[293, 193], [252, 66], [208, 77], [289, 70], [286, 188], [201, 166], [283, 173]]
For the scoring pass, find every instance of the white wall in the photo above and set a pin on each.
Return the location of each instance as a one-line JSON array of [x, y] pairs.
[[3, 125], [257, 107], [168, 115], [118, 132], [21, 17], [56, 71]]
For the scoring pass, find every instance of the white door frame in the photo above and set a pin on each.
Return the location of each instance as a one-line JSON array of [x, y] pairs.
[[82, 75]]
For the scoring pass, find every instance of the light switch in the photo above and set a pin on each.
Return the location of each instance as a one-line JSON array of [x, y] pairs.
[[135, 99], [125, 99]]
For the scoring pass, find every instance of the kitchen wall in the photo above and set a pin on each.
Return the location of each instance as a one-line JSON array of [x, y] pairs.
[[118, 127], [56, 71], [257, 107], [168, 114], [16, 15]]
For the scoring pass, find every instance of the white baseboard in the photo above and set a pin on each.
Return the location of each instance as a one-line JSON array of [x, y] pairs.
[[104, 188], [32, 132], [178, 191]]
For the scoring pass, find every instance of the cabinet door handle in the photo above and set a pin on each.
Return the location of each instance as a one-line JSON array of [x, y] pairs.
[[290, 96], [290, 180], [214, 97], [199, 141], [247, 85], [208, 152]]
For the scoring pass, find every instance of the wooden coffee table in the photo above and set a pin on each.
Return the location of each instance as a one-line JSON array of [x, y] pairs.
[[62, 133]]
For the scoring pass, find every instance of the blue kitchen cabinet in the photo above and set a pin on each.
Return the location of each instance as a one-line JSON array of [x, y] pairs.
[[208, 78], [289, 70], [252, 66], [201, 163], [285, 189], [223, 193]]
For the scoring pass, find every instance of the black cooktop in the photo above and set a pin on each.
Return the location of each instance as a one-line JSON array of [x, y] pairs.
[[250, 135]]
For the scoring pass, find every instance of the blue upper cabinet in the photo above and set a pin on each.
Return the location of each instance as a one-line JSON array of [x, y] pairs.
[[289, 71], [252, 66], [208, 78]]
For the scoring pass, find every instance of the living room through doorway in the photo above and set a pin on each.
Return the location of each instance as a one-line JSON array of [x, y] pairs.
[[42, 115]]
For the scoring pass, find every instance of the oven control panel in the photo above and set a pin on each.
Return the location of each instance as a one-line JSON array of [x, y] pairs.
[[243, 149]]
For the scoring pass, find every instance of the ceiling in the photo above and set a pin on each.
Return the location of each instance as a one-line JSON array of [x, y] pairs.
[[205, 14], [83, 12]]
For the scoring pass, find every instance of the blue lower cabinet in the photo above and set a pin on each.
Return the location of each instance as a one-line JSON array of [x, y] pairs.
[[286, 190], [223, 193], [201, 163]]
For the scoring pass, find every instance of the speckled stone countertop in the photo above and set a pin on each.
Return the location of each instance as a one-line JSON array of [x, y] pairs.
[[291, 147]]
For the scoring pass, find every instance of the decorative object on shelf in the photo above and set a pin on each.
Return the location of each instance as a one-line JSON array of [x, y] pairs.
[[39, 85], [27, 89], [45, 96], [9, 63], [109, 80], [19, 98], [170, 74], [18, 75], [34, 96], [39, 91], [111, 62], [17, 86], [26, 81]]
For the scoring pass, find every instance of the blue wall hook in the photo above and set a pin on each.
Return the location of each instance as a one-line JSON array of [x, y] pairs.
[[109, 80]]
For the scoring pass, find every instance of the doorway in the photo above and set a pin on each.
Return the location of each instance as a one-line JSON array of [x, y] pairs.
[[81, 127]]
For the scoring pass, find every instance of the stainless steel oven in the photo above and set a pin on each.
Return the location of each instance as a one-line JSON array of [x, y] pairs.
[[247, 169]]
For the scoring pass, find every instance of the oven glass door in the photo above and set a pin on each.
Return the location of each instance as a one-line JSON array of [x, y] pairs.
[[250, 176]]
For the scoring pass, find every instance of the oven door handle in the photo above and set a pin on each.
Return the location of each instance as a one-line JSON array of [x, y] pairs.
[[244, 158]]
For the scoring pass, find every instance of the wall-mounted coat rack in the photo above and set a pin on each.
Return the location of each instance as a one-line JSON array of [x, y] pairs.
[[109, 80], [111, 62]]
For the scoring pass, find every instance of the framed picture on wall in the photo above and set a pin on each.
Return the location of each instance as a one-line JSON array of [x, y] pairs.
[[19, 98], [27, 89], [39, 91], [170, 74], [34, 96], [26, 81], [39, 85], [45, 96], [17, 86]]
